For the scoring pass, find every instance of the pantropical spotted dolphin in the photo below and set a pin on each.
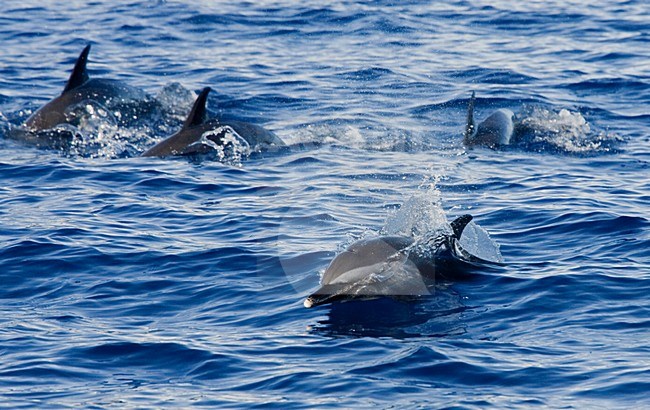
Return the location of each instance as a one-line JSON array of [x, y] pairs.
[[200, 135], [47, 128], [496, 130], [391, 266]]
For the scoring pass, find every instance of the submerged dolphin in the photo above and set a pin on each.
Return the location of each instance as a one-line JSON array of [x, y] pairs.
[[496, 130], [391, 266], [41, 128], [199, 134]]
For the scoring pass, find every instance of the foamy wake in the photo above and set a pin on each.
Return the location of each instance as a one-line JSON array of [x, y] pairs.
[[563, 130]]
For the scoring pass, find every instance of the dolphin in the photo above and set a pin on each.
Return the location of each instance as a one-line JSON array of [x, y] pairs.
[[199, 135], [496, 130], [47, 126], [392, 266]]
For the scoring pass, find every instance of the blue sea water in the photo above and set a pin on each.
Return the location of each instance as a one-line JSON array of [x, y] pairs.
[[130, 282]]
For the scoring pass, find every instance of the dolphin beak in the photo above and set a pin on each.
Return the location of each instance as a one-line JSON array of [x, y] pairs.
[[325, 294], [316, 300]]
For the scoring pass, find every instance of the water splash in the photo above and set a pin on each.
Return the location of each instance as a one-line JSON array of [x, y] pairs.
[[230, 149], [564, 131], [95, 130], [421, 214], [175, 101], [371, 136], [477, 241], [330, 134], [423, 218]]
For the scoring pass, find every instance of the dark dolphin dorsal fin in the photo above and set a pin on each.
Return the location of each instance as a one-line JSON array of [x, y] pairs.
[[79, 75], [470, 127], [197, 115], [459, 224]]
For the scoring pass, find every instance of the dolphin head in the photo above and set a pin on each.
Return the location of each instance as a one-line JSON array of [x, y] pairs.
[[384, 266], [370, 268]]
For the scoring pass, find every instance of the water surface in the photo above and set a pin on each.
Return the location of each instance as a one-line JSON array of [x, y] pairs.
[[132, 282]]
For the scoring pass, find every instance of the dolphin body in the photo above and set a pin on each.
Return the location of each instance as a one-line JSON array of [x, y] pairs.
[[391, 266], [496, 130], [44, 127], [198, 134]]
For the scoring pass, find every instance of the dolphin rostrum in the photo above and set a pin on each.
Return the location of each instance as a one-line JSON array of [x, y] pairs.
[[391, 266], [199, 134], [496, 130], [44, 127]]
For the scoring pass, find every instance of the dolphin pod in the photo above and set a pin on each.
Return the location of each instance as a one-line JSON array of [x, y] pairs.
[[48, 127], [383, 266], [392, 266]]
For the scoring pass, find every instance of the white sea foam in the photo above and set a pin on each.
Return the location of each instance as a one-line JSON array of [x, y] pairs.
[[563, 130]]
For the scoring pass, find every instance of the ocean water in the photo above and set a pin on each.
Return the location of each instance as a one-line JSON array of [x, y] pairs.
[[130, 282]]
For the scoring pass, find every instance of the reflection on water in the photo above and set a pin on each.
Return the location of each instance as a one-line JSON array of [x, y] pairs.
[[437, 315]]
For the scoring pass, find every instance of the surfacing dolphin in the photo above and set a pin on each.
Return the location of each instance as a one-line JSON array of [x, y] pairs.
[[46, 128], [200, 135], [392, 266], [494, 131]]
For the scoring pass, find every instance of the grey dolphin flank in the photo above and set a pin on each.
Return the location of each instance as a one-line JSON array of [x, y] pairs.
[[198, 133], [496, 130], [389, 266], [41, 127]]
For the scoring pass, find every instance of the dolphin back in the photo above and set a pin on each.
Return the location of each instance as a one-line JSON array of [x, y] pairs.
[[189, 139], [494, 131]]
